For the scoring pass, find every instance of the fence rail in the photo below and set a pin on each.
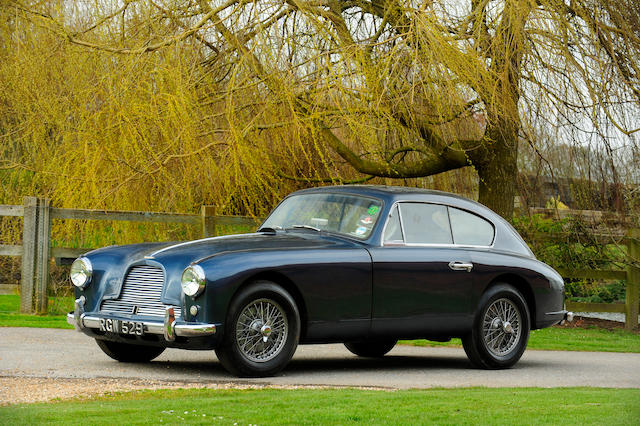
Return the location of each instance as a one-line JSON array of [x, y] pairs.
[[131, 216], [36, 250], [617, 308], [588, 216]]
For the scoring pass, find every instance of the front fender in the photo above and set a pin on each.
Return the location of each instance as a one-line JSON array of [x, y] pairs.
[[335, 284]]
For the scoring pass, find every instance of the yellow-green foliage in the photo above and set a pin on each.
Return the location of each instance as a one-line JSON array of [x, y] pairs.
[[168, 105], [176, 128], [103, 131], [555, 203], [90, 129]]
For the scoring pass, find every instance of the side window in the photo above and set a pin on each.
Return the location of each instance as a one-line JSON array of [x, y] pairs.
[[425, 223], [469, 229], [393, 231]]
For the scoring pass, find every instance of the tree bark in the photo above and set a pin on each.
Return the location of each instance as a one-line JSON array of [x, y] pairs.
[[497, 174]]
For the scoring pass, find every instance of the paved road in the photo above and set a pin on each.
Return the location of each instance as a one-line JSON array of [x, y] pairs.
[[69, 354]]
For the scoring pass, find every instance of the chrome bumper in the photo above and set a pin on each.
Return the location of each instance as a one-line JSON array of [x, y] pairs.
[[169, 328], [568, 317]]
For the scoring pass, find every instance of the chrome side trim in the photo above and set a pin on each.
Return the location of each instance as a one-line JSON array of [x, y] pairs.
[[181, 329], [195, 330], [567, 317], [562, 312]]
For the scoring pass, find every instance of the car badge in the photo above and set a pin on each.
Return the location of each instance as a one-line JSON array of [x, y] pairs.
[[134, 310]]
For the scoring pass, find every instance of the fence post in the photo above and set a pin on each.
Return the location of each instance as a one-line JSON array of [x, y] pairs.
[[29, 248], [35, 255], [208, 221], [633, 280], [41, 301]]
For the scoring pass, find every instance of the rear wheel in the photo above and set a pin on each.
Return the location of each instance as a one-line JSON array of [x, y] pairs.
[[371, 348], [501, 329], [261, 332], [125, 352]]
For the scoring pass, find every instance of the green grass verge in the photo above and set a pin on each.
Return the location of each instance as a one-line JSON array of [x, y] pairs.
[[578, 406], [567, 339], [10, 315]]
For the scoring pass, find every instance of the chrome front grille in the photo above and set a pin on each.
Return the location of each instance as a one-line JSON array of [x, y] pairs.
[[141, 294]]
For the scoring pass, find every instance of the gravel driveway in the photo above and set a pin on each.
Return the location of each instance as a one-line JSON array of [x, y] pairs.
[[64, 360]]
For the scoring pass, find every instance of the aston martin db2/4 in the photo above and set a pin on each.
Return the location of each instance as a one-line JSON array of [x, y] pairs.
[[361, 265]]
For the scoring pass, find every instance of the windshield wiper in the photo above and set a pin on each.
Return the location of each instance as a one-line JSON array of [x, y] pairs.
[[270, 229], [313, 228]]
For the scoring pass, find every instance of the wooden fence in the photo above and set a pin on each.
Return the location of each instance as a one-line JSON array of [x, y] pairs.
[[631, 274], [36, 251]]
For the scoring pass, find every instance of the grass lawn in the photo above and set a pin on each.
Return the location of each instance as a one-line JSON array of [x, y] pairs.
[[554, 338], [507, 406], [10, 315]]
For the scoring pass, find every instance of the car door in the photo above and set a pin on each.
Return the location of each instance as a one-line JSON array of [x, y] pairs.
[[421, 280]]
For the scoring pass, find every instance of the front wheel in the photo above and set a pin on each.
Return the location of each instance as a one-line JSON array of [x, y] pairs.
[[125, 352], [261, 332], [500, 330], [371, 348]]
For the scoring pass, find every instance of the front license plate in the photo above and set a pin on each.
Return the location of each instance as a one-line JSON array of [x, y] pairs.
[[121, 326]]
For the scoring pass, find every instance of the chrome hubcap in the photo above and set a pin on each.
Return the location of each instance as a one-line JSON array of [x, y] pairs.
[[507, 328], [502, 327], [261, 330]]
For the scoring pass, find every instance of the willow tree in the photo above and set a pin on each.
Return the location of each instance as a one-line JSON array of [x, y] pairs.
[[394, 88]]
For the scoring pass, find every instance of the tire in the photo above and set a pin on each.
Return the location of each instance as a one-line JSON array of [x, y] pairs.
[[492, 343], [125, 352], [261, 332], [371, 348]]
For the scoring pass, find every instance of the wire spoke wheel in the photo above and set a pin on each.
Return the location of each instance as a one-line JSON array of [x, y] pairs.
[[261, 330], [502, 327]]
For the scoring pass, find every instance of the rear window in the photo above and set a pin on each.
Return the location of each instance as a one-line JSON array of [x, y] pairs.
[[469, 229]]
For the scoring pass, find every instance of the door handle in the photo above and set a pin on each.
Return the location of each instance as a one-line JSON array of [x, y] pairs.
[[461, 266]]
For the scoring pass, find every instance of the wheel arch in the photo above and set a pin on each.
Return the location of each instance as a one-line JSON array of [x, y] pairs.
[[288, 285], [523, 287]]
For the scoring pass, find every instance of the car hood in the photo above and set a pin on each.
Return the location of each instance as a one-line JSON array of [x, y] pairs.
[[205, 248], [194, 251]]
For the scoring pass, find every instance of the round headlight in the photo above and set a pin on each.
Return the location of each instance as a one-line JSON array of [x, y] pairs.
[[193, 280], [81, 271]]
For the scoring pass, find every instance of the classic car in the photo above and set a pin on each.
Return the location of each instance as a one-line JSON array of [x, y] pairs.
[[359, 265]]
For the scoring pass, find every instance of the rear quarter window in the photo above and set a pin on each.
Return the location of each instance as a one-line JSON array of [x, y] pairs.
[[470, 229]]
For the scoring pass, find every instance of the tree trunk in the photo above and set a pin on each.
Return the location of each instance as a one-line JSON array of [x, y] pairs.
[[497, 174]]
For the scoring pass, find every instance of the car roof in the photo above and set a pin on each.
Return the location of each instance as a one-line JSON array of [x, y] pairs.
[[387, 192], [507, 238]]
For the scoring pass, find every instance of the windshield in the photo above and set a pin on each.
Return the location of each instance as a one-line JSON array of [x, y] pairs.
[[343, 214]]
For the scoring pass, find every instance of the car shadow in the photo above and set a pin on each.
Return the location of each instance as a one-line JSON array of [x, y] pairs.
[[334, 364], [389, 363], [324, 365]]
